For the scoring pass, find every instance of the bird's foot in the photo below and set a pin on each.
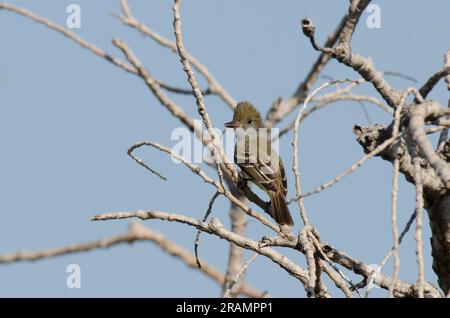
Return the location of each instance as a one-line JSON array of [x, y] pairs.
[[242, 183]]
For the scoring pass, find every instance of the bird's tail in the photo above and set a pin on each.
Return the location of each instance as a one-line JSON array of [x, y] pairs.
[[280, 210]]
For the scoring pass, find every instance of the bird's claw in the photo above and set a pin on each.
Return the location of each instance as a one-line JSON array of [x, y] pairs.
[[241, 183]]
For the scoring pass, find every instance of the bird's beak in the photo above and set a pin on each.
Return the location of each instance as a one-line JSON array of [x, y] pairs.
[[232, 124]]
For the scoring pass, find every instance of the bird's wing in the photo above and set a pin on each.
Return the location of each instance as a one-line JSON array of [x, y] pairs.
[[283, 176], [263, 175], [264, 169]]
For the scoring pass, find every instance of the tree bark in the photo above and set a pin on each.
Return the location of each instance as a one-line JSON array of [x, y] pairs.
[[238, 220], [439, 214], [436, 195]]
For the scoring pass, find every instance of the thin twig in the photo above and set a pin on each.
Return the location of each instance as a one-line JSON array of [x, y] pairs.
[[201, 107], [68, 34], [284, 108], [390, 253], [432, 81], [336, 278], [295, 146], [205, 217], [214, 86], [198, 171], [181, 91], [337, 281], [401, 75], [143, 164], [350, 170], [241, 272], [154, 86], [329, 100], [238, 225], [394, 193], [418, 233], [394, 228], [394, 196], [444, 134]]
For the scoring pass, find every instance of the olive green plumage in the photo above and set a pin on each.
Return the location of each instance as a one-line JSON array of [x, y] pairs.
[[266, 169], [244, 112]]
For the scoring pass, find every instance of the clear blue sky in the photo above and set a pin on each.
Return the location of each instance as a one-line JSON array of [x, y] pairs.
[[68, 117]]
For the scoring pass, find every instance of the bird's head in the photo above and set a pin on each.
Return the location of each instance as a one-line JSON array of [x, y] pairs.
[[245, 116]]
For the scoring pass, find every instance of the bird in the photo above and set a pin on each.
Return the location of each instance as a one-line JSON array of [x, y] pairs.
[[257, 160]]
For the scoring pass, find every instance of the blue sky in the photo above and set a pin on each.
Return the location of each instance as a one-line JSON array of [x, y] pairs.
[[68, 117]]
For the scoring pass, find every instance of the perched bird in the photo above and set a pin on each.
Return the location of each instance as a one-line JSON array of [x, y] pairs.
[[258, 161]]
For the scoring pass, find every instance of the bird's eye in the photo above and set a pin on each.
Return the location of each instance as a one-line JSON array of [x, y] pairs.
[[249, 121]]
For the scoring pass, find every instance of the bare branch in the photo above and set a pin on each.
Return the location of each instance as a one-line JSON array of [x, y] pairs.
[[429, 170], [218, 149], [198, 94], [136, 232], [329, 99], [151, 81], [351, 169], [394, 196], [419, 217], [447, 65], [372, 137], [182, 91], [432, 81], [215, 228], [444, 134], [390, 253], [280, 110], [179, 113], [401, 289], [238, 275], [214, 86], [338, 281], [143, 164], [332, 271], [154, 86], [310, 260], [295, 146], [421, 113], [238, 220], [401, 75], [355, 11], [198, 171], [205, 217], [343, 53], [68, 34], [300, 202]]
